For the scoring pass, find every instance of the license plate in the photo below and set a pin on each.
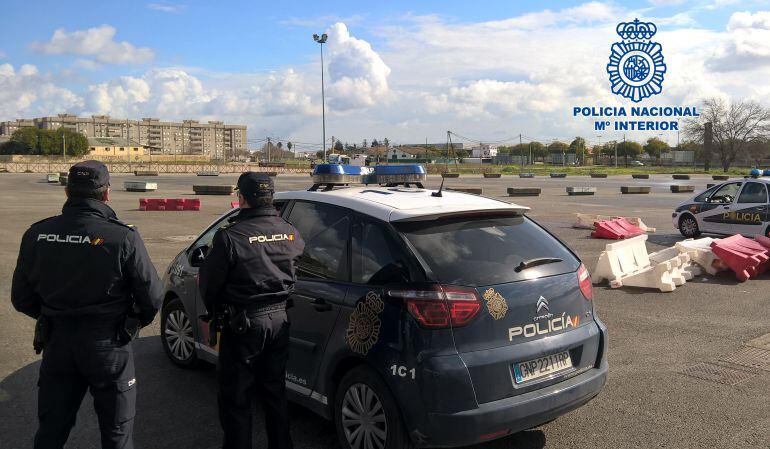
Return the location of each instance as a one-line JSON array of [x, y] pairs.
[[541, 367]]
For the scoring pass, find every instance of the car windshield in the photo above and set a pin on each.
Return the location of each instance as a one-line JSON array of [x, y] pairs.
[[477, 251]]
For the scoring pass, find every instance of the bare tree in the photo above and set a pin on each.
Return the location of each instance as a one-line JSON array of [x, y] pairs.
[[735, 126]]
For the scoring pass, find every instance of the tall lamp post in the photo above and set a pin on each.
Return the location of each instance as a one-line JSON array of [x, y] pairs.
[[322, 40]]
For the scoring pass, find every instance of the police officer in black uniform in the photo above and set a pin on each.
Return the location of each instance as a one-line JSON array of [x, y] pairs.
[[250, 271], [86, 277]]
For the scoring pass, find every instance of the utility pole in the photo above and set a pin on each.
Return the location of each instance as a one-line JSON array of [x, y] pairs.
[[64, 147], [521, 149], [322, 40], [268, 149], [616, 152]]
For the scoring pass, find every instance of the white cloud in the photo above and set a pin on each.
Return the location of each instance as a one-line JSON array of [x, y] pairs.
[[97, 42], [166, 7], [25, 91], [746, 44], [358, 75], [666, 2]]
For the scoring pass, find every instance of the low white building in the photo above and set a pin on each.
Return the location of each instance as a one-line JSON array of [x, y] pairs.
[[484, 150]]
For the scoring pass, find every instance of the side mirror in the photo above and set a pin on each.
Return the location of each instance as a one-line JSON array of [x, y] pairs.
[[198, 255]]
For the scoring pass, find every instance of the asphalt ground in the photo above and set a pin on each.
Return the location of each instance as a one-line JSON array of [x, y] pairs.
[[646, 403]]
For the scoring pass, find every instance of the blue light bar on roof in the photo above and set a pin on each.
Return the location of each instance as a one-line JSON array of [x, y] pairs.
[[339, 174], [400, 174]]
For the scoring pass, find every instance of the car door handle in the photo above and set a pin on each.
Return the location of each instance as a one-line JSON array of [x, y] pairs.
[[321, 305]]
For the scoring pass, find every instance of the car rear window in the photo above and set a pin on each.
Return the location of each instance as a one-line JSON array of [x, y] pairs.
[[478, 251]]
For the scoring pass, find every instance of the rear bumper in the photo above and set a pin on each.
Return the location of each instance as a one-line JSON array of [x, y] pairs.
[[511, 415]]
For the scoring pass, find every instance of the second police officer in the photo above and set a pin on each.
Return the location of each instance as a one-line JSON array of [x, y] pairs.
[[86, 277], [250, 272]]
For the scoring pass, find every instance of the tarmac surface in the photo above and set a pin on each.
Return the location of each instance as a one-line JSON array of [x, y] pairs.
[[646, 403]]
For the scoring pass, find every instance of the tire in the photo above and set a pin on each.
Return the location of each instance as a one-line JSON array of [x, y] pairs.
[[767, 232], [176, 334], [381, 414], [688, 226]]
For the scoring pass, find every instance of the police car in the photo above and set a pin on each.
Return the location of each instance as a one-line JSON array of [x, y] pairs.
[[733, 207], [419, 317]]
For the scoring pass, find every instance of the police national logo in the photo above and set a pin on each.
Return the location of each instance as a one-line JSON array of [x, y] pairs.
[[636, 65], [496, 304], [364, 325]]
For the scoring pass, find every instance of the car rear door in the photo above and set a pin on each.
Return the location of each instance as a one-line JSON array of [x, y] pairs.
[[748, 214], [322, 277], [529, 312]]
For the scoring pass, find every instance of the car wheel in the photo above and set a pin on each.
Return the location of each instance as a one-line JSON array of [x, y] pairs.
[[688, 226], [176, 334], [365, 414], [767, 232]]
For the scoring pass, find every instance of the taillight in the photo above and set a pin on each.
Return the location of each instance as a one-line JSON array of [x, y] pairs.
[[439, 306], [584, 280]]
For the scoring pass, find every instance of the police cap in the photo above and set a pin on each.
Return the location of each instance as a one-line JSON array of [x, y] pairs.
[[251, 184], [89, 174]]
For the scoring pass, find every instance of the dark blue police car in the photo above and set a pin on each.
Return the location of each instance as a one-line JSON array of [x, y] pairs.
[[417, 319]]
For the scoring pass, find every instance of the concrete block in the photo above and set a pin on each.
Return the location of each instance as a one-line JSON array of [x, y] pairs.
[[635, 189], [145, 173], [682, 189], [526, 175], [523, 191], [598, 175], [472, 190], [558, 175], [450, 175], [140, 186], [681, 177], [213, 190], [581, 191], [640, 176], [492, 175]]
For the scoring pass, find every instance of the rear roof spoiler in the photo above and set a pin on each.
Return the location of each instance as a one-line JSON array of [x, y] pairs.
[[491, 212]]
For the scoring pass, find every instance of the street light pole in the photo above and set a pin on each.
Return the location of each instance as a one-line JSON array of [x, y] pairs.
[[322, 40]]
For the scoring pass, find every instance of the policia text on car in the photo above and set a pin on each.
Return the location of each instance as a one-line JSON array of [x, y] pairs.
[[88, 280], [245, 280]]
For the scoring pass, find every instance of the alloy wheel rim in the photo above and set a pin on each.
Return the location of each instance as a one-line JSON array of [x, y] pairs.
[[178, 333], [689, 226], [363, 418]]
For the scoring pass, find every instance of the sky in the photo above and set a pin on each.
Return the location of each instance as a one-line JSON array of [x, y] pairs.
[[409, 71]]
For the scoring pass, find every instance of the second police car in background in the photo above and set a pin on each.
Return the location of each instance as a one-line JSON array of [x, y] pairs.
[[733, 207], [418, 319]]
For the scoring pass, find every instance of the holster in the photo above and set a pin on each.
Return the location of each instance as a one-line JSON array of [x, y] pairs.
[[240, 323], [42, 333], [129, 329]]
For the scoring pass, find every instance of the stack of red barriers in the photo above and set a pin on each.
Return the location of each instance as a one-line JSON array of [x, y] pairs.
[[746, 257], [234, 204], [170, 204], [615, 229]]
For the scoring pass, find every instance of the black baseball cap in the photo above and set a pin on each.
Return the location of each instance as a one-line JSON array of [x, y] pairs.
[[252, 184], [89, 174]]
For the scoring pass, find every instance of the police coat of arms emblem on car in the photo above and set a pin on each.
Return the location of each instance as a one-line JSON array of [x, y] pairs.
[[636, 65], [364, 325], [496, 304]]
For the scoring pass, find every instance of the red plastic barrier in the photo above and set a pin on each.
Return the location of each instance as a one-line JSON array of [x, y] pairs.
[[153, 204], [615, 229], [234, 204], [744, 256]]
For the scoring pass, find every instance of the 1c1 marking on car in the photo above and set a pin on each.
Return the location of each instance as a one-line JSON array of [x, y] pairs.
[[402, 371]]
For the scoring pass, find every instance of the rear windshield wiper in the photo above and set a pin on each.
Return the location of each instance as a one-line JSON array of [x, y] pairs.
[[536, 262]]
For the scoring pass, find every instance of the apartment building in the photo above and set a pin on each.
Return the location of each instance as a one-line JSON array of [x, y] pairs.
[[214, 139]]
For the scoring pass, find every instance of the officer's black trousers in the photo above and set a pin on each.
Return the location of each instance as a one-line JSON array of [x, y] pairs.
[[253, 365], [80, 357]]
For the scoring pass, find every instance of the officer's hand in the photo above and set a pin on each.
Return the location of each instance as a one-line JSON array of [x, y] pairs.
[[206, 317]]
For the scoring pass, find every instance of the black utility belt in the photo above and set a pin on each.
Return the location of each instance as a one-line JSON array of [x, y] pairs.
[[241, 320]]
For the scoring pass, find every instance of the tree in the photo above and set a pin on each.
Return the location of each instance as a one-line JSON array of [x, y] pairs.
[[289, 145], [577, 145], [280, 146], [734, 125], [338, 147], [26, 138], [758, 150], [364, 144], [629, 148], [386, 142], [654, 147], [374, 143]]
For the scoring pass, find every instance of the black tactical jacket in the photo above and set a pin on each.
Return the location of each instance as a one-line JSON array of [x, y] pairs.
[[85, 262], [252, 261]]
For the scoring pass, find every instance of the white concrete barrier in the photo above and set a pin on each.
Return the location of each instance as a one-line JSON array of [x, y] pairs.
[[626, 263], [586, 221], [679, 263], [700, 252]]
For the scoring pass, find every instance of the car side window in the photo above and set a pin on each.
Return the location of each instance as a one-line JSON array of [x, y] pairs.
[[726, 194], [208, 236], [377, 257], [753, 192], [326, 231]]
